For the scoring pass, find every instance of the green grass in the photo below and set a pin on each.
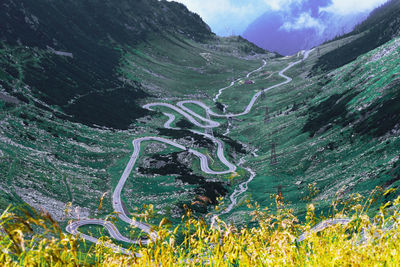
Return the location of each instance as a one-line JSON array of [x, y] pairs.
[[337, 158], [182, 72]]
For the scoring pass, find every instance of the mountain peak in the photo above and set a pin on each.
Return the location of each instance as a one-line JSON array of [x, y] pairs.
[[299, 28]]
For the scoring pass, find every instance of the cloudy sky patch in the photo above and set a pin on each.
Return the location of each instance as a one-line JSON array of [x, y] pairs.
[[227, 17], [348, 7], [304, 21]]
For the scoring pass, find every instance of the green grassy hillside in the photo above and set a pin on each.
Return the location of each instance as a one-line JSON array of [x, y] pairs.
[[70, 111], [68, 52], [338, 131], [381, 26]]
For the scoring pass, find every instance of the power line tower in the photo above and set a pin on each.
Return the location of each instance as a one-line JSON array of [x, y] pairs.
[[319, 51], [274, 159], [266, 117], [262, 96]]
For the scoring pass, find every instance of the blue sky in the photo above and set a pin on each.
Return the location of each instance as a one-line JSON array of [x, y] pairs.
[[233, 16]]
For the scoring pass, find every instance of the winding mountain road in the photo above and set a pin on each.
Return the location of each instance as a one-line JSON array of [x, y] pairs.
[[197, 120], [233, 83]]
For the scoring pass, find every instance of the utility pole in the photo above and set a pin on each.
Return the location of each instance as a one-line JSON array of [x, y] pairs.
[[230, 121], [266, 118], [262, 96], [274, 159], [319, 51]]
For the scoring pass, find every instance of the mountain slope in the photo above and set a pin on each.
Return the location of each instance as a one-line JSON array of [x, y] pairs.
[[338, 132], [380, 27], [73, 78], [301, 27], [74, 49]]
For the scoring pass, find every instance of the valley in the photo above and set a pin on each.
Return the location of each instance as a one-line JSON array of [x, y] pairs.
[[138, 115], [188, 114]]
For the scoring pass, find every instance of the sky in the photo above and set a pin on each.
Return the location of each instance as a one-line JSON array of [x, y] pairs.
[[227, 17]]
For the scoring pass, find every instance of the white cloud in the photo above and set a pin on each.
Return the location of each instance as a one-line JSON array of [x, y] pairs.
[[281, 4], [304, 21], [233, 16], [347, 7], [227, 16]]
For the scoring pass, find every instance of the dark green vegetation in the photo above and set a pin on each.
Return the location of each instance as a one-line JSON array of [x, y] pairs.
[[384, 115], [331, 111], [199, 140], [84, 83], [172, 166], [381, 26]]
